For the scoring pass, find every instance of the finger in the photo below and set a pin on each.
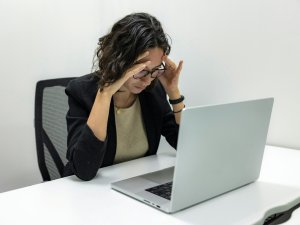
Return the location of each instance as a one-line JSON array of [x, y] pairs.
[[143, 55], [137, 68], [170, 63], [179, 68]]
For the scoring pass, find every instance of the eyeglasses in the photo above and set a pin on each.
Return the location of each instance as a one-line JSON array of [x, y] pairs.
[[158, 71]]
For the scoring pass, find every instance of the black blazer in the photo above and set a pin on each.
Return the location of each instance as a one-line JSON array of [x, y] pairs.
[[86, 153]]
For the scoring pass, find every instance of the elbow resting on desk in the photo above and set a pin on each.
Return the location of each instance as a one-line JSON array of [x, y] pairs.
[[81, 170], [84, 166]]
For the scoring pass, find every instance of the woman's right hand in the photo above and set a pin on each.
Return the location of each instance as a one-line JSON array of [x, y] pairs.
[[136, 68]]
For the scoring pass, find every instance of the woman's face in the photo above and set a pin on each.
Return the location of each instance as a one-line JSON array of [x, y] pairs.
[[136, 86]]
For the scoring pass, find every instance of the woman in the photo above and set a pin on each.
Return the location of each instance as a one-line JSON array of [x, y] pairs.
[[119, 112]]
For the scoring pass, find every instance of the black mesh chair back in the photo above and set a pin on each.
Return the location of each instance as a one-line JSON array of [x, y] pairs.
[[51, 106]]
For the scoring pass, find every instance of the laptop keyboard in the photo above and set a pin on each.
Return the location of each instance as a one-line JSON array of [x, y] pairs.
[[163, 190]]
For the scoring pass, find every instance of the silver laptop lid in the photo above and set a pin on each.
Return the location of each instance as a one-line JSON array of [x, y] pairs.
[[219, 148]]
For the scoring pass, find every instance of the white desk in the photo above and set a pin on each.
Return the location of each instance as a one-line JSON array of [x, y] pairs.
[[71, 201]]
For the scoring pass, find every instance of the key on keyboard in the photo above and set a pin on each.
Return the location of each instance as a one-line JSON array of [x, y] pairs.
[[163, 190]]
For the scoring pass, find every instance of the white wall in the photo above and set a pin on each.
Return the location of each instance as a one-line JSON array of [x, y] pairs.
[[232, 50], [39, 39]]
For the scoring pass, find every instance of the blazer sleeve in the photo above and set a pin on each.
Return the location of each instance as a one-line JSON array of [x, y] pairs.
[[169, 127], [85, 151]]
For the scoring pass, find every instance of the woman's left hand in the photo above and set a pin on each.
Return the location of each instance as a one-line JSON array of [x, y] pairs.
[[170, 77]]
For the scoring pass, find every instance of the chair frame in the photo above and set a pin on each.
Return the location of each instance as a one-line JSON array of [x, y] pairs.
[[41, 136]]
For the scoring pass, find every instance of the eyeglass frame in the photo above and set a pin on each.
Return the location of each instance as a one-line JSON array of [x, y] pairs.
[[151, 72]]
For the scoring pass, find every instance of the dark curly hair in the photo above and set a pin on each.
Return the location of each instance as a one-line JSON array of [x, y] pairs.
[[128, 38]]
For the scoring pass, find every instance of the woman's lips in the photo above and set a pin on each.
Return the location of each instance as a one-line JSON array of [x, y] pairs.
[[139, 87]]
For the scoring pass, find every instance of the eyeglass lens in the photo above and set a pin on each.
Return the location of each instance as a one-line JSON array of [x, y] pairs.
[[155, 73]]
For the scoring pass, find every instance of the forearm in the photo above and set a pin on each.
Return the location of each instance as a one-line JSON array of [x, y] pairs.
[[98, 118], [177, 108]]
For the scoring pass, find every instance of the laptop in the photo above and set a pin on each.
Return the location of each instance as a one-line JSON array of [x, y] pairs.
[[220, 148]]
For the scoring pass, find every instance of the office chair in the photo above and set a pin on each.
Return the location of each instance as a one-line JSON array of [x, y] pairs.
[[51, 106]]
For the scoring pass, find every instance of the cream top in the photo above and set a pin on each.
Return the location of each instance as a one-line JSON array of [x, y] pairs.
[[132, 141]]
